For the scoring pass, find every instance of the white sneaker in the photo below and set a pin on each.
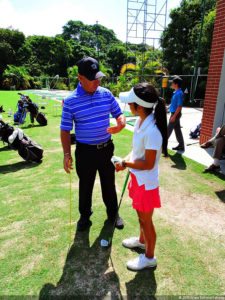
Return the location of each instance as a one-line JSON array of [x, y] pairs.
[[141, 262], [133, 242]]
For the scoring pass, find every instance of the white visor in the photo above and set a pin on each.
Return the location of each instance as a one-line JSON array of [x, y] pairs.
[[131, 97]]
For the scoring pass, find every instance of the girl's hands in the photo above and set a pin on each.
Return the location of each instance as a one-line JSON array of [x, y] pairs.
[[119, 168]]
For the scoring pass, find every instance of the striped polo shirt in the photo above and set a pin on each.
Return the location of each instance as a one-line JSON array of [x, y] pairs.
[[90, 113]]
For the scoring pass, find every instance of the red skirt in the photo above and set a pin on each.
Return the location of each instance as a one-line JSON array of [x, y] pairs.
[[143, 200]]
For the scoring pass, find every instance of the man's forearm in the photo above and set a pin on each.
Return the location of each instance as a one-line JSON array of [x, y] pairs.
[[121, 121], [66, 142]]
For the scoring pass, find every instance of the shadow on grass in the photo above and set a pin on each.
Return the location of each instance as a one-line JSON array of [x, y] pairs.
[[89, 273], [31, 126], [221, 195], [5, 148], [144, 283], [216, 174], [56, 116], [86, 272], [179, 162], [10, 168], [143, 286]]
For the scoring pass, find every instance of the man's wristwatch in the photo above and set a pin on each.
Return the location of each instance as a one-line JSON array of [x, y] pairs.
[[124, 165]]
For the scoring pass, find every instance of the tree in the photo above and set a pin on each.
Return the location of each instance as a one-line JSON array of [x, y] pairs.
[[11, 43], [7, 55], [13, 37], [16, 76], [206, 41], [92, 36], [73, 29], [79, 51], [179, 40], [116, 58], [49, 55]]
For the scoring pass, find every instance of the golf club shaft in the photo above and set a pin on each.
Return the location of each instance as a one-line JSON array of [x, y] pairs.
[[70, 206], [121, 198], [194, 143]]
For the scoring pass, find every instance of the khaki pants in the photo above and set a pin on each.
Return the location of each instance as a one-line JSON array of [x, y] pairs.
[[218, 142]]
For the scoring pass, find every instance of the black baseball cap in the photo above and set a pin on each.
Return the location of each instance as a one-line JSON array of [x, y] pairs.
[[89, 67], [177, 80]]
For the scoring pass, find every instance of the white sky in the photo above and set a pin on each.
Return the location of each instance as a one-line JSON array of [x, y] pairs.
[[46, 17]]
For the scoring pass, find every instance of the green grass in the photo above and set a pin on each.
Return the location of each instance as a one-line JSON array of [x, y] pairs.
[[36, 257]]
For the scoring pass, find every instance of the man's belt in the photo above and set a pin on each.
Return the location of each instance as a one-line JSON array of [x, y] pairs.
[[98, 146]]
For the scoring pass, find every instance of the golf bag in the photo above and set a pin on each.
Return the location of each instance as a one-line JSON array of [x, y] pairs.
[[33, 109], [195, 133], [20, 115], [17, 140], [41, 119]]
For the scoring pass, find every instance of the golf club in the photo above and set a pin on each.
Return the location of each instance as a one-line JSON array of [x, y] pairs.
[[70, 205], [194, 143], [106, 243]]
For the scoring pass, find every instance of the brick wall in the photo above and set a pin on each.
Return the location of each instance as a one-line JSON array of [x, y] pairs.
[[215, 68]]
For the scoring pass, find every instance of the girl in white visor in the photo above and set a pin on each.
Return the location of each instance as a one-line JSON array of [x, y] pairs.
[[149, 141]]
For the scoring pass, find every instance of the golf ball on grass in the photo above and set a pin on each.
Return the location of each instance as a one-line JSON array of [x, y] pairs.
[[104, 243]]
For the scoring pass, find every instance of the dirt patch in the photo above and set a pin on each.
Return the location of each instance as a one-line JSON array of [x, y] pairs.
[[53, 150], [55, 140], [12, 228], [6, 245], [31, 263], [197, 213]]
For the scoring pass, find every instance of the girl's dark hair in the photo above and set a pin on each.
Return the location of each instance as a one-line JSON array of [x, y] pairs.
[[148, 93]]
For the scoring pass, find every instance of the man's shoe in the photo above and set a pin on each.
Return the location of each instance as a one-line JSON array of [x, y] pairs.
[[133, 242], [212, 168], [83, 224], [178, 148], [141, 262], [206, 145], [118, 223]]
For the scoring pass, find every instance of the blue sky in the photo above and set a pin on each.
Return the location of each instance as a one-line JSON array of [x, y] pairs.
[[46, 17]]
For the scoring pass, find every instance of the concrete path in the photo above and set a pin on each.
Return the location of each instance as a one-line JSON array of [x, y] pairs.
[[191, 117]]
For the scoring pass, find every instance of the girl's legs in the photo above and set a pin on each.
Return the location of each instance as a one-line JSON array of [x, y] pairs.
[[147, 232], [141, 237]]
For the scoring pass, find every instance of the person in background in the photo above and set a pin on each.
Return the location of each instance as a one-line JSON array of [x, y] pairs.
[[175, 110], [218, 142]]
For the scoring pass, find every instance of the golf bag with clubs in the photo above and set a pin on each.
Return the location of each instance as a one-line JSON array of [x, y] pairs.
[[195, 132], [17, 140], [20, 115], [33, 109]]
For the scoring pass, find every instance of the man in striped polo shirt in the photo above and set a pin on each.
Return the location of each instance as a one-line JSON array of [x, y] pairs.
[[89, 108]]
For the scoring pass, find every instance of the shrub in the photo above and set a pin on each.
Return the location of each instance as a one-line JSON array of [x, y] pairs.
[[61, 86]]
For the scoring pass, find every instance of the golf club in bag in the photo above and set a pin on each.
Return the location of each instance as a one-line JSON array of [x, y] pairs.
[[33, 109], [107, 243], [17, 140]]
